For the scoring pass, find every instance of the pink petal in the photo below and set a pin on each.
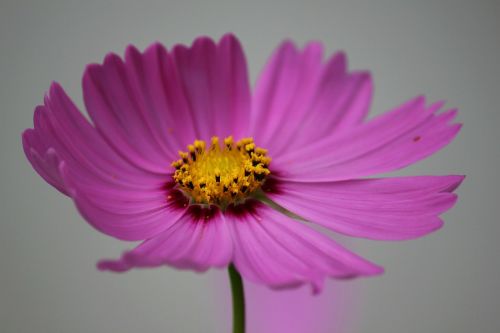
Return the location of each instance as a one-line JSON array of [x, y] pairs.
[[342, 102], [115, 196], [388, 208], [159, 97], [299, 100], [215, 83], [127, 219], [273, 249], [389, 142], [110, 96], [61, 127], [198, 240]]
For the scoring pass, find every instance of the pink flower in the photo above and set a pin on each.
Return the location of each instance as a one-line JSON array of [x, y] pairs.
[[301, 142]]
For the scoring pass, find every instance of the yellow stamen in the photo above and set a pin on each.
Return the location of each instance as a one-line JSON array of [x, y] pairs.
[[221, 175]]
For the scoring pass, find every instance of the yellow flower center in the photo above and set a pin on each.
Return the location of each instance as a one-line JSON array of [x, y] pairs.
[[221, 175]]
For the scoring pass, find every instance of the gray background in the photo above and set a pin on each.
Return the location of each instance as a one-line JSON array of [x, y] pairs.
[[447, 282]]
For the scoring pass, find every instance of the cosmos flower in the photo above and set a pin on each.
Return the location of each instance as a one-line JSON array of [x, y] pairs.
[[254, 170]]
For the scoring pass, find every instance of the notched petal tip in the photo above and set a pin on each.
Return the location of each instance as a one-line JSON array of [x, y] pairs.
[[377, 270], [131, 52], [38, 114], [340, 58], [286, 46], [365, 76], [203, 42], [112, 59], [437, 105], [446, 116], [55, 88], [454, 181], [460, 179], [180, 50], [229, 38], [26, 137], [314, 47], [366, 268], [231, 43], [117, 266], [90, 72], [420, 100], [155, 47], [96, 68]]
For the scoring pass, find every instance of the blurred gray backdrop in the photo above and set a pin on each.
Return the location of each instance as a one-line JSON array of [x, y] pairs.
[[447, 282]]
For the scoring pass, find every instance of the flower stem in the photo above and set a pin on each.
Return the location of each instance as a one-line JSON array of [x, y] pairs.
[[238, 300]]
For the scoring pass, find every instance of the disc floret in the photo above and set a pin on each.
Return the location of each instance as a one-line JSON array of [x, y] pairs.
[[221, 174]]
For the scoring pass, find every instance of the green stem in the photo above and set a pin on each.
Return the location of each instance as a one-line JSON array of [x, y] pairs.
[[238, 300]]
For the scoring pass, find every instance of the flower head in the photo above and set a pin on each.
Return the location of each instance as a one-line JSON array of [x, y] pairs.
[[181, 155]]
